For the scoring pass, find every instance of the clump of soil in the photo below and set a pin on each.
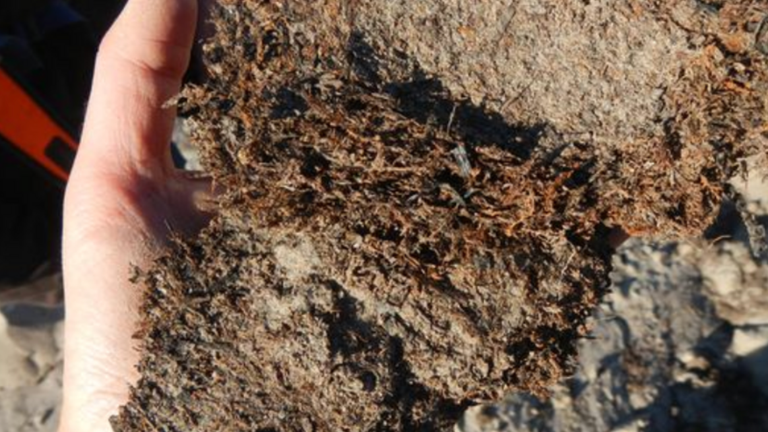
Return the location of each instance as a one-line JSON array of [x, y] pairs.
[[388, 251]]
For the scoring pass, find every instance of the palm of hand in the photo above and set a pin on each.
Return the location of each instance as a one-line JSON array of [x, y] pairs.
[[122, 198]]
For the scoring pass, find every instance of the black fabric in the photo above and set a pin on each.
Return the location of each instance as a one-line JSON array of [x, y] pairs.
[[30, 220], [57, 66], [13, 12]]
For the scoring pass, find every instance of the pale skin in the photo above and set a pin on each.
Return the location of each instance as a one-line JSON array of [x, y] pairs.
[[123, 198]]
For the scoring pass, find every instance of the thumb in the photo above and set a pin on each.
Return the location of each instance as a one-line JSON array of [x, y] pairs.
[[122, 159], [140, 66]]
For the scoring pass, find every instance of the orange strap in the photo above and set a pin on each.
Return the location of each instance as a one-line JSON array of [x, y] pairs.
[[25, 125]]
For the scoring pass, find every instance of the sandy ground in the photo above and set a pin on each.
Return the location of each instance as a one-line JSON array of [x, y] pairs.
[[31, 339]]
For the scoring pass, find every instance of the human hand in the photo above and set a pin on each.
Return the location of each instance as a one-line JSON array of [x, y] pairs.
[[122, 199]]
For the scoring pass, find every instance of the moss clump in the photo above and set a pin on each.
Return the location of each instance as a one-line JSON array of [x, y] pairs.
[[387, 253]]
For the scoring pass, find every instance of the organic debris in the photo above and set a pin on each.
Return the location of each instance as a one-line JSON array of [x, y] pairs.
[[388, 253]]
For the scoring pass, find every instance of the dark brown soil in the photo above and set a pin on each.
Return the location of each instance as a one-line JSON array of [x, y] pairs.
[[388, 253]]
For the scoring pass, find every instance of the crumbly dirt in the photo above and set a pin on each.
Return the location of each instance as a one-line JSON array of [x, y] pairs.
[[400, 237]]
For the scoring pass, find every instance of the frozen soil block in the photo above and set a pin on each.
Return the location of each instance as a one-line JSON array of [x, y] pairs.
[[421, 197]]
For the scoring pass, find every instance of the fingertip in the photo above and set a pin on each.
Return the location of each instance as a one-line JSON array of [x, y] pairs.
[[154, 34]]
